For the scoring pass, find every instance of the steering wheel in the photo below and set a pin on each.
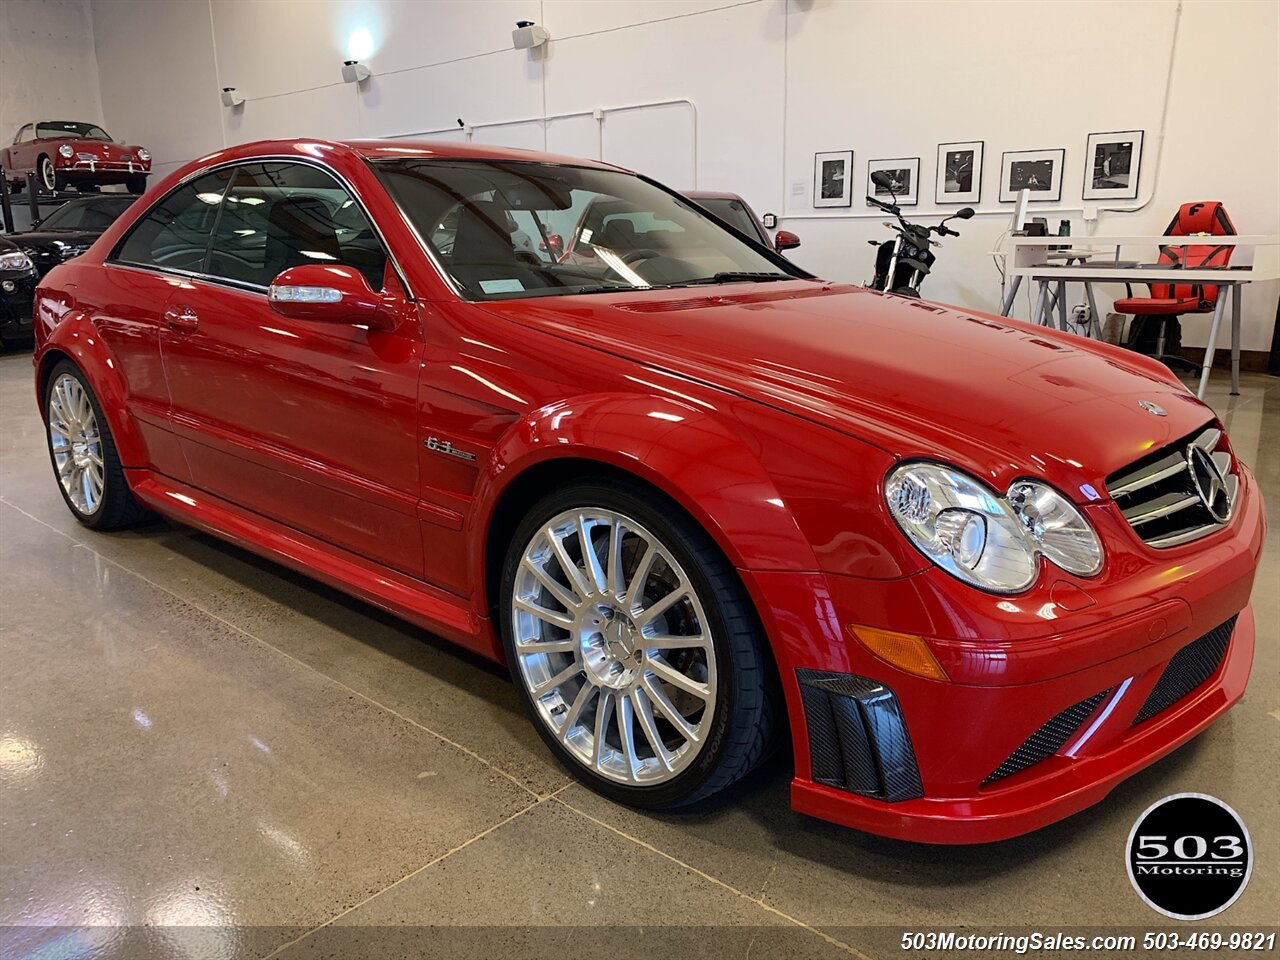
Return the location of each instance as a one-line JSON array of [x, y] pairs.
[[643, 254]]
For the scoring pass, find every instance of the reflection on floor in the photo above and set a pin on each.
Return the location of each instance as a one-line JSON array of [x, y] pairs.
[[191, 737]]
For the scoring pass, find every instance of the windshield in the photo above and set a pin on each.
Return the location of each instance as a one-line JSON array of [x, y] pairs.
[[70, 128], [96, 214], [732, 212], [509, 229]]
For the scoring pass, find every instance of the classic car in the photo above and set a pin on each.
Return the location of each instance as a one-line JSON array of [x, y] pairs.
[[975, 572], [73, 153], [17, 289], [71, 229]]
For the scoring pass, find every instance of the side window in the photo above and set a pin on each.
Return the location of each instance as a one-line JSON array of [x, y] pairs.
[[281, 215], [24, 135], [175, 232]]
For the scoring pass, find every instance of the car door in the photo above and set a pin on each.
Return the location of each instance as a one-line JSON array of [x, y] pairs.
[[309, 423], [21, 158], [158, 256]]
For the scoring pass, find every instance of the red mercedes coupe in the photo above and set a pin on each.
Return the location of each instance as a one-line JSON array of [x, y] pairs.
[[700, 502]]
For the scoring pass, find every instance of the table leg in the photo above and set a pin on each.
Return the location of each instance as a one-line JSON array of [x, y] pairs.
[[1095, 321], [1008, 297], [1235, 339], [1218, 310], [1037, 314], [1062, 305]]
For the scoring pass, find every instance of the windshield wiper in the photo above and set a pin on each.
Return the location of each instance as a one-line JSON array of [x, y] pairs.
[[737, 276]]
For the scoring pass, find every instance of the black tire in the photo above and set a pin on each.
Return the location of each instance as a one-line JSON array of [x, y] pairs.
[[742, 730], [117, 508], [136, 184]]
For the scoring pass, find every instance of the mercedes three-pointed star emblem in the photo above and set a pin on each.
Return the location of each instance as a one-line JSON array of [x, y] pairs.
[[1209, 483]]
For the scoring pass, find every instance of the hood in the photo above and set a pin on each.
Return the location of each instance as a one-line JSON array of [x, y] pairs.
[[48, 248], [997, 397], [102, 150]]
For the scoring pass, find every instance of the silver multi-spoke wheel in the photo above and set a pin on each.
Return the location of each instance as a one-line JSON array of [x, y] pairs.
[[76, 443], [613, 646]]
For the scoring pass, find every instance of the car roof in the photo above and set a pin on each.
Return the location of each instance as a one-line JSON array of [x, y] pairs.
[[713, 195], [399, 149]]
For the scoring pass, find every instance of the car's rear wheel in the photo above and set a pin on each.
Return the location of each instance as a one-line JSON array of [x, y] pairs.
[[634, 646], [84, 456]]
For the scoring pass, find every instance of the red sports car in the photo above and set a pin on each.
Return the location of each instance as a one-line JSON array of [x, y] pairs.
[[976, 572], [71, 153]]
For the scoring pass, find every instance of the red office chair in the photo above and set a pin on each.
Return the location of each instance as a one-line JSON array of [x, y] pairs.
[[1169, 301]]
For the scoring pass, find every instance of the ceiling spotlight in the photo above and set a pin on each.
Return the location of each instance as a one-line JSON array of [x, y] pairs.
[[230, 98], [353, 71]]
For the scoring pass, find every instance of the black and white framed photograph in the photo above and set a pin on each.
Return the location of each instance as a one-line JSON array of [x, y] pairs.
[[904, 177], [1112, 164], [833, 179], [959, 172], [1039, 171]]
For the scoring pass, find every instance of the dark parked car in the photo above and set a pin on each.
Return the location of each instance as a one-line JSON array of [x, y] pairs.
[[17, 290], [71, 229], [737, 213]]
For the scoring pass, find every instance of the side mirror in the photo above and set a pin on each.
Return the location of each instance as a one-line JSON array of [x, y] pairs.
[[336, 294], [964, 213], [785, 240], [554, 244], [882, 179]]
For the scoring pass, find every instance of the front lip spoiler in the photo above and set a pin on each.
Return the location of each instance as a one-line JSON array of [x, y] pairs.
[[1035, 802]]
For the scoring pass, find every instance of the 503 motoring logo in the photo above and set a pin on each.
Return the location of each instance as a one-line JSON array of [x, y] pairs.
[[1189, 856]]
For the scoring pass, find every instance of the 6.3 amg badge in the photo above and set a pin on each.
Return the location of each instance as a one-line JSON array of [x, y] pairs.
[[436, 445], [1189, 856]]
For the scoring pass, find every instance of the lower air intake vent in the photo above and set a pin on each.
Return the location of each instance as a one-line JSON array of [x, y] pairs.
[[1048, 740], [857, 738], [1191, 666]]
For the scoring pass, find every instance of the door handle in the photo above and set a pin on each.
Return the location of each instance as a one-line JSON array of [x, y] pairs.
[[181, 319]]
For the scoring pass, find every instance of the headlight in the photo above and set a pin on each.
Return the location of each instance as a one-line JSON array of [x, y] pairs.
[[143, 154], [66, 151], [1058, 529], [15, 261], [992, 542]]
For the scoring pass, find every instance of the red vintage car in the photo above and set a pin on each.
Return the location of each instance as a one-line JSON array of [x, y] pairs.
[[66, 153], [975, 572]]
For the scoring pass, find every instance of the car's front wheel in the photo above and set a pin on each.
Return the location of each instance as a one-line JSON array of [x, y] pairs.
[[635, 646], [50, 178], [136, 184], [84, 456]]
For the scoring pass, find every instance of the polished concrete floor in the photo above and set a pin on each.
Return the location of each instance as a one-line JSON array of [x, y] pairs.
[[202, 754]]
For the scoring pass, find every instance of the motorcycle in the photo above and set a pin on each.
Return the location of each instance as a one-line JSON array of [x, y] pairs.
[[903, 262]]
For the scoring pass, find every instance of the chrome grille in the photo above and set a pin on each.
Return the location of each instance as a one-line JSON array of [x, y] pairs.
[[1163, 498]]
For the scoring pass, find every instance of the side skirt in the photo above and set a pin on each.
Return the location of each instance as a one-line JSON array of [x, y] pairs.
[[413, 600]]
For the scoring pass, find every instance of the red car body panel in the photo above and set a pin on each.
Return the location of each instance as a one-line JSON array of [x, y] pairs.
[[771, 413]]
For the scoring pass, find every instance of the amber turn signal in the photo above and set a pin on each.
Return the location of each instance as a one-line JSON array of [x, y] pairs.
[[906, 651]]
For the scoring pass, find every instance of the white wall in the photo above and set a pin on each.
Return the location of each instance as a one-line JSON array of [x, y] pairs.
[[739, 94], [47, 63]]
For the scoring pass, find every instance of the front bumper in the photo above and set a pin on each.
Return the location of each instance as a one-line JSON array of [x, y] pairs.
[[1079, 659], [89, 171], [16, 305]]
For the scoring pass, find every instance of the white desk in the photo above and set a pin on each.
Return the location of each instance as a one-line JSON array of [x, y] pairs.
[[1257, 258]]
